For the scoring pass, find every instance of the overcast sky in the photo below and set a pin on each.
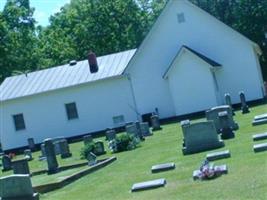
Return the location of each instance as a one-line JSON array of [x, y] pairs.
[[43, 9]]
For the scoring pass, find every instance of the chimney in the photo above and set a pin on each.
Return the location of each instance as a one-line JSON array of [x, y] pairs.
[[92, 62]]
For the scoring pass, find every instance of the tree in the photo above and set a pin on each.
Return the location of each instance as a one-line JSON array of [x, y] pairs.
[[19, 50]]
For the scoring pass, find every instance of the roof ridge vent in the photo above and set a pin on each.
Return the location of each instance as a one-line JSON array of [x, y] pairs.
[[72, 62]]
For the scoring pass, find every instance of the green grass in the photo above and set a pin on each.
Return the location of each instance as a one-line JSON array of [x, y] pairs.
[[247, 178]]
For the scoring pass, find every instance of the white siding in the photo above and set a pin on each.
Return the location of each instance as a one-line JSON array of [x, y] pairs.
[[191, 85], [203, 33], [45, 114]]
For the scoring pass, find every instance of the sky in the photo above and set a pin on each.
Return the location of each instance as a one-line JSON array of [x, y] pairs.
[[43, 9]]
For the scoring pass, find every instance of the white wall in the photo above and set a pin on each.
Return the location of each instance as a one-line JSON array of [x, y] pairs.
[[202, 33], [45, 114], [191, 85]]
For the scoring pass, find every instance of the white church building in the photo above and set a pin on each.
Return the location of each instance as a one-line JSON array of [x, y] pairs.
[[186, 64]]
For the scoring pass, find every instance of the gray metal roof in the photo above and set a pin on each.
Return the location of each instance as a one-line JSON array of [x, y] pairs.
[[64, 76]]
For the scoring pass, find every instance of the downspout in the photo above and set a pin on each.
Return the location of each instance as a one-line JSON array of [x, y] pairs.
[[128, 76], [217, 88]]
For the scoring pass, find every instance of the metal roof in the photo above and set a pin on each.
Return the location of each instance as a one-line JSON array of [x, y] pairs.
[[64, 76]]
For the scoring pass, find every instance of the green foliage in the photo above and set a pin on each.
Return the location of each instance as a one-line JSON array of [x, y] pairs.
[[104, 27], [89, 147], [123, 142]]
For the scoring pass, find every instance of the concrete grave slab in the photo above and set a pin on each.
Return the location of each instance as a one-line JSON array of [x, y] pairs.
[[259, 122], [260, 147], [162, 167], [218, 155], [260, 136], [148, 185]]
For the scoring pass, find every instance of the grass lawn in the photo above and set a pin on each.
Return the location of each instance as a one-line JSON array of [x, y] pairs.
[[247, 177]]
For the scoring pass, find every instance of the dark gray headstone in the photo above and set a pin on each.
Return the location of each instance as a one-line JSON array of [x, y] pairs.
[[132, 130], [260, 147], [99, 148], [87, 139], [262, 116], [260, 136], [28, 154], [259, 122], [225, 122], [6, 163], [17, 187], [149, 185], [200, 136], [212, 114], [110, 134], [162, 167], [31, 144], [228, 102], [42, 150], [50, 156], [64, 149], [244, 106], [155, 123], [218, 155], [20, 166]]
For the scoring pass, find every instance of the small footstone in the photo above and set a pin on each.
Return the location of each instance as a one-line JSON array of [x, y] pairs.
[[218, 155], [260, 147], [259, 122], [260, 136], [258, 117], [162, 167], [148, 185]]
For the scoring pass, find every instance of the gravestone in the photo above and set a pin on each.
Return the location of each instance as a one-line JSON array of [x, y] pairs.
[[199, 137], [212, 114], [50, 156], [162, 167], [219, 169], [260, 136], [87, 139], [144, 127], [149, 185], [132, 130], [6, 163], [244, 106], [64, 149], [260, 147], [28, 154], [138, 128], [56, 142], [42, 151], [17, 187], [99, 148], [155, 123], [262, 116], [91, 157], [228, 102], [226, 128], [31, 144], [20, 166], [110, 134], [218, 155], [259, 122]]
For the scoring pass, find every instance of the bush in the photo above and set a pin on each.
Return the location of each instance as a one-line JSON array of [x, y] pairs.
[[123, 142], [87, 149]]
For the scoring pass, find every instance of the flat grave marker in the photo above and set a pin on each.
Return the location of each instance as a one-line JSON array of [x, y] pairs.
[[260, 136], [148, 185], [260, 147], [218, 155], [162, 167]]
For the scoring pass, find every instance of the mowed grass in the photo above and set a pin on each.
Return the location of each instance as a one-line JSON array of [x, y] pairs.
[[247, 177]]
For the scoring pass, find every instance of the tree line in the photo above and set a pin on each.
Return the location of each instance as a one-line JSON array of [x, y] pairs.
[[105, 27]]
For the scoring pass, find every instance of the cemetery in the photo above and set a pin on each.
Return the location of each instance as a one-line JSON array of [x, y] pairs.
[[160, 168]]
